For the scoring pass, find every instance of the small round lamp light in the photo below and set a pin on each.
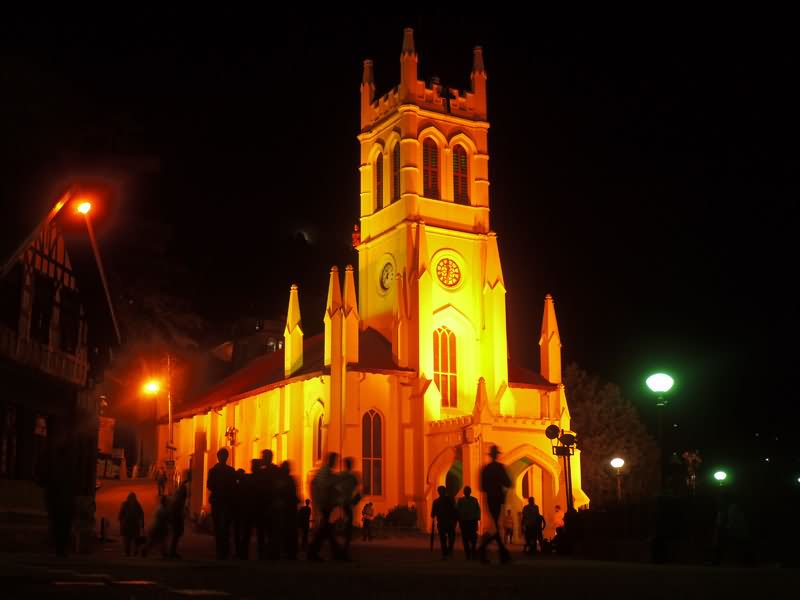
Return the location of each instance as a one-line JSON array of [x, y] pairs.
[[720, 476], [617, 463]]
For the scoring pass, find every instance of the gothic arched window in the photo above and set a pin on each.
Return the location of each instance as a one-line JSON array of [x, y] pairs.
[[444, 366], [318, 440], [396, 172], [379, 181], [371, 453], [430, 169], [460, 194]]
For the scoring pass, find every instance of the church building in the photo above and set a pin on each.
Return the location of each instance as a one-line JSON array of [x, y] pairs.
[[411, 377]]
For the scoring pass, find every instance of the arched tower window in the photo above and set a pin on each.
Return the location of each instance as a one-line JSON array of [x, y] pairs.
[[444, 366], [460, 194], [379, 181], [396, 172], [318, 440], [371, 453], [430, 169]]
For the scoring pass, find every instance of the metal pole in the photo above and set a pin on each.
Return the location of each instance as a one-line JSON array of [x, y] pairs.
[[92, 239], [619, 487], [169, 399]]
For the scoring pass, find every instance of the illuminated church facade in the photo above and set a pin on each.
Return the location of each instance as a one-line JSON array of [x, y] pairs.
[[411, 376]]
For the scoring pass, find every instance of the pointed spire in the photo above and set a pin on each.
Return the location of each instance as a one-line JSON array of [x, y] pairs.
[[408, 41], [549, 323], [292, 336], [481, 413], [368, 77], [408, 67], [293, 314], [350, 299], [477, 60], [478, 78], [334, 302], [550, 343], [421, 250], [494, 271]]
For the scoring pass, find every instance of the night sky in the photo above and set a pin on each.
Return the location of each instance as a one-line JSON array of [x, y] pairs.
[[637, 176]]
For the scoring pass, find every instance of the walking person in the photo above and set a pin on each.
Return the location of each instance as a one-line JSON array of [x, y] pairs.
[[131, 524], [222, 485], [247, 495], [177, 514], [532, 526], [367, 514], [494, 483], [267, 527], [444, 511], [284, 508], [304, 523], [159, 530], [469, 514], [161, 481], [323, 496], [508, 527], [349, 497]]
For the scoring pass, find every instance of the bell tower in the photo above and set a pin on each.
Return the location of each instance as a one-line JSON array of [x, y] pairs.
[[430, 277]]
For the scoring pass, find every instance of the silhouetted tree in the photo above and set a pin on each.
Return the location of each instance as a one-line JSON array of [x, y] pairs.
[[609, 426]]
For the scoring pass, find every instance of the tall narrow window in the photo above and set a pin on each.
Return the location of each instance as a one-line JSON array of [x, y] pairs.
[[379, 182], [396, 172], [318, 440], [371, 453], [430, 169], [460, 194], [42, 309], [69, 320], [444, 366]]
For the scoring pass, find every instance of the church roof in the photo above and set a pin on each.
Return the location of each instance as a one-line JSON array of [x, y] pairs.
[[267, 371], [525, 378], [375, 353]]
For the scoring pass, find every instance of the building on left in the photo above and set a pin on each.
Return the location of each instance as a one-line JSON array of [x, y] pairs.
[[57, 333]]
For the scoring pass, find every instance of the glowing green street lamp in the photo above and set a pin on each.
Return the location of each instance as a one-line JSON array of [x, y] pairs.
[[660, 384], [720, 476]]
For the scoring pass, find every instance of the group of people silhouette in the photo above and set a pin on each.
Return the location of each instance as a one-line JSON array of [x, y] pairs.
[[265, 502]]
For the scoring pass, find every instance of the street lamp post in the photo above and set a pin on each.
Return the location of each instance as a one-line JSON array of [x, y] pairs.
[[660, 384], [152, 388], [617, 463], [565, 450]]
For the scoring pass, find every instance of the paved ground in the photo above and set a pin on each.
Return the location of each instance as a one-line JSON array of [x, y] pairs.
[[394, 568]]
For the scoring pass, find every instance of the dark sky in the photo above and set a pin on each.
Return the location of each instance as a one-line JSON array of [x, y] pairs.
[[638, 176]]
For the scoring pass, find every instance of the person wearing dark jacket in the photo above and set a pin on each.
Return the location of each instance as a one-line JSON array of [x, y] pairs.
[[177, 512], [494, 483], [304, 523], [131, 524], [446, 515], [469, 514], [222, 485]]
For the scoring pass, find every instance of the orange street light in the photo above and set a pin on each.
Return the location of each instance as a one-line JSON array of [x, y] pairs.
[[84, 206], [152, 387]]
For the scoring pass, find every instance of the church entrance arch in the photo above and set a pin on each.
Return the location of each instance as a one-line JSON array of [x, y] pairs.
[[531, 474]]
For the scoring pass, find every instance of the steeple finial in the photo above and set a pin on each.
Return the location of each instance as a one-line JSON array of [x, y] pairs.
[[368, 76], [293, 314], [334, 302], [550, 343], [408, 41], [350, 302], [477, 60], [292, 336]]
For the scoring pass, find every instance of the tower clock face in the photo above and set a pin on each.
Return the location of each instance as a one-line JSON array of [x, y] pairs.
[[387, 273], [448, 272]]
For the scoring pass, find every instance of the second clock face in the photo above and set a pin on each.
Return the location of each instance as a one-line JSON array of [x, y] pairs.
[[448, 272], [387, 273]]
